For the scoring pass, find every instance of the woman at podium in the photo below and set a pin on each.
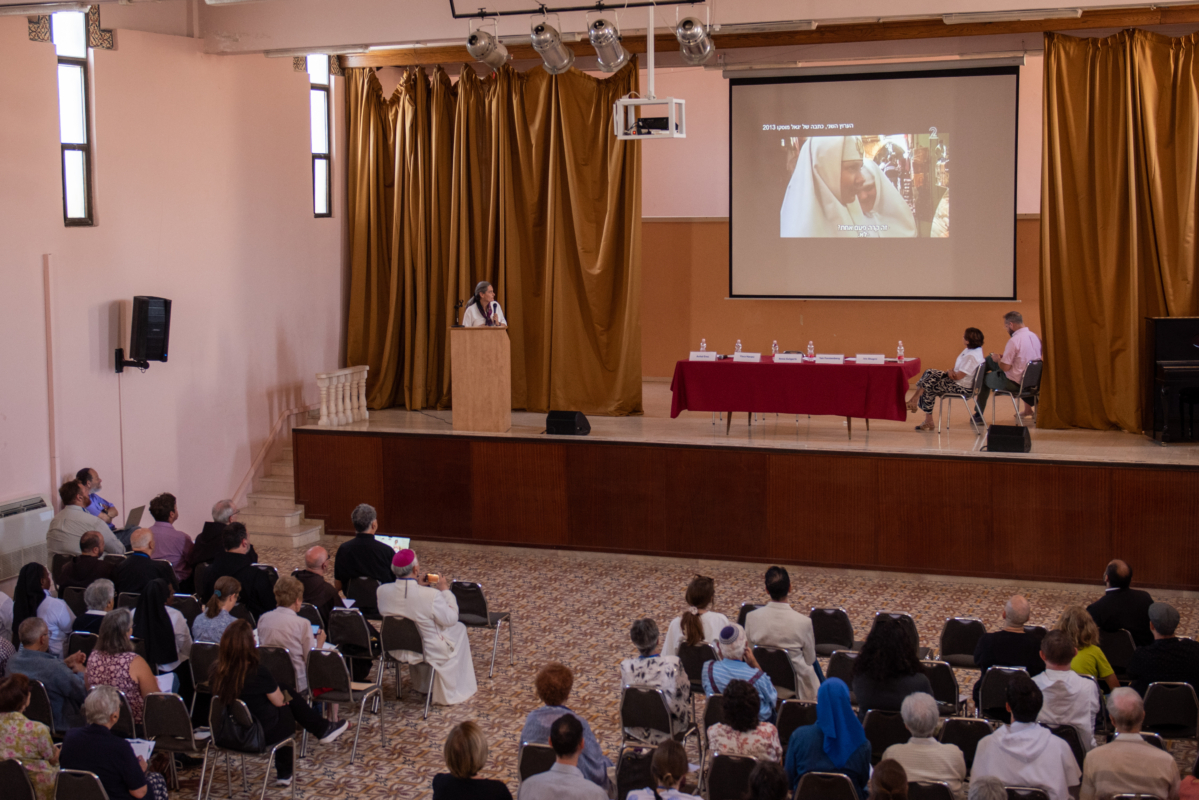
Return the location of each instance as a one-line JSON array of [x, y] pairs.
[[483, 310]]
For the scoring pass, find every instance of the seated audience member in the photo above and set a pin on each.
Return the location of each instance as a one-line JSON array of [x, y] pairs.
[[987, 788], [140, 567], [32, 598], [1069, 698], [69, 525], [62, 678], [565, 778], [1189, 788], [553, 684], [959, 381], [1168, 658], [87, 566], [97, 506], [669, 767], [25, 739], [166, 635], [1083, 633], [7, 651], [698, 624], [6, 611], [887, 669], [922, 756], [211, 624], [211, 541], [737, 662], [170, 544], [1010, 646], [741, 733], [1128, 764], [767, 781], [888, 781], [99, 599], [113, 662], [777, 624], [317, 591], [446, 667], [283, 627], [238, 675], [1025, 753], [653, 669], [363, 556], [1121, 606], [465, 756], [257, 585], [95, 748], [1005, 372], [836, 743]]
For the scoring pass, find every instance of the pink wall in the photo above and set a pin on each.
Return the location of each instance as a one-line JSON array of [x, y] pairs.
[[203, 195]]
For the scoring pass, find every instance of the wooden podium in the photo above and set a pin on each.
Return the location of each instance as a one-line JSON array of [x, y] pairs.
[[481, 371]]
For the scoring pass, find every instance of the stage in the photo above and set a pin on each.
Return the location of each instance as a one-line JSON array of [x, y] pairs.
[[794, 491]]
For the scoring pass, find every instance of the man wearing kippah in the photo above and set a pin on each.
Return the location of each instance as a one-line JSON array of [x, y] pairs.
[[445, 668], [737, 662], [1168, 658]]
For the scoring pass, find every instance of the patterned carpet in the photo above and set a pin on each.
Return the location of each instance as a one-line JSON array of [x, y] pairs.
[[576, 608]]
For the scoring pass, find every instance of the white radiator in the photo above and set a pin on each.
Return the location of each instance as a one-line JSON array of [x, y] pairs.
[[23, 526]]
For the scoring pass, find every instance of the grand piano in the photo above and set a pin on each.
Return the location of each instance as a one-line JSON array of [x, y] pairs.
[[1171, 376]]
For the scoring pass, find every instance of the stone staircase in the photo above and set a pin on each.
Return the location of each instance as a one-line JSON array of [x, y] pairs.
[[271, 515]]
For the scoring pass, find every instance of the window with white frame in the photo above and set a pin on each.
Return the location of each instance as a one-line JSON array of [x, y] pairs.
[[318, 94], [68, 29]]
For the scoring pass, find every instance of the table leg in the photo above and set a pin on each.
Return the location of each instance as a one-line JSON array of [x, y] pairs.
[[728, 422], [849, 426], [868, 424]]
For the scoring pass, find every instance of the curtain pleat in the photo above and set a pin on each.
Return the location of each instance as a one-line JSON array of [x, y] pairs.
[[1117, 217]]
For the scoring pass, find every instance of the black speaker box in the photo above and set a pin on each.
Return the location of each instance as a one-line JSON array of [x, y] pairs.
[[150, 332], [567, 423], [1008, 439]]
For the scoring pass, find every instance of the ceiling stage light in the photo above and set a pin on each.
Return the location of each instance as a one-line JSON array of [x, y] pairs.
[[695, 44], [606, 41], [486, 48], [556, 57]]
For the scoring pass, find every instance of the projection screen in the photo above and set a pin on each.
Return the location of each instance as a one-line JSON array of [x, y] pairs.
[[840, 185]]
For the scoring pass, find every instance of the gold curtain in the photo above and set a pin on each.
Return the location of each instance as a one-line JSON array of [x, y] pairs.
[[1118, 213], [516, 179]]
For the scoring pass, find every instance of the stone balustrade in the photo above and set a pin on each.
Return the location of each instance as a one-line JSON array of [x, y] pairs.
[[343, 396]]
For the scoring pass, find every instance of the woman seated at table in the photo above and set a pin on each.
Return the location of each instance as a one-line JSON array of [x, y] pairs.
[[836, 743], [742, 733], [483, 310], [935, 383]]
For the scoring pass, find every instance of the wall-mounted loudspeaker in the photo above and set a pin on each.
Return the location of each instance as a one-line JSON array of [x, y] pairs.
[[149, 333]]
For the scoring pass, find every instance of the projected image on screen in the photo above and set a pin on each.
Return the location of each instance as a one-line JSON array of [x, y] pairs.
[[839, 185], [889, 186]]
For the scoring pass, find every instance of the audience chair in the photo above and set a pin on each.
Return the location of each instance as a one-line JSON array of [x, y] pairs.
[[201, 661], [945, 687], [1119, 647], [401, 633], [365, 594], [473, 612], [728, 777], [39, 708], [645, 707], [277, 661], [966, 733], [57, 562], [909, 625], [309, 612], [825, 786], [167, 721], [126, 728], [76, 784], [189, 606], [329, 670], [633, 769], [992, 695], [127, 600], [199, 572], [693, 658], [1171, 710], [73, 597], [794, 714], [243, 717], [977, 426], [929, 790], [883, 729], [1038, 631], [776, 663], [1134, 797], [959, 637], [269, 570], [1025, 793], [139, 647], [1030, 389], [744, 612], [841, 666], [1156, 740], [832, 630], [81, 642], [349, 630], [113, 558], [15, 780], [240, 611], [1069, 735], [534, 759], [713, 714]]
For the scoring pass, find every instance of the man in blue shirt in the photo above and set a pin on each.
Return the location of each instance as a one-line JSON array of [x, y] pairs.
[[89, 479], [564, 779], [737, 662], [63, 678]]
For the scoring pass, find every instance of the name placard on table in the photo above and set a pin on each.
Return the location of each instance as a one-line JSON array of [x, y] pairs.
[[871, 358], [829, 358], [789, 358], [703, 355], [751, 358]]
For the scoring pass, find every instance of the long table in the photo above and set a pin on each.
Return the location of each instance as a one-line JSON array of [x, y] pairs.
[[867, 391]]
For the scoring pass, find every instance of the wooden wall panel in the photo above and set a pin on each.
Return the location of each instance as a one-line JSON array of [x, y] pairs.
[[518, 492], [816, 513], [336, 473], [616, 498], [716, 503], [428, 486], [1155, 525]]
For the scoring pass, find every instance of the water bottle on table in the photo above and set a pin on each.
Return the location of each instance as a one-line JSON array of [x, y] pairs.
[[899, 353], [703, 345], [811, 351], [737, 348], [774, 348]]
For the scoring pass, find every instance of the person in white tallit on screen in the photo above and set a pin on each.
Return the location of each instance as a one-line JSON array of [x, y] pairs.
[[822, 195], [883, 205], [483, 310]]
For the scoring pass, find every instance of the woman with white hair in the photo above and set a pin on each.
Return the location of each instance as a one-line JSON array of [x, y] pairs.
[[95, 748], [922, 756], [483, 310], [822, 195], [98, 597], [657, 671]]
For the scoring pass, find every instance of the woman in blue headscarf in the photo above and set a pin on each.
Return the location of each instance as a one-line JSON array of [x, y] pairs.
[[836, 743]]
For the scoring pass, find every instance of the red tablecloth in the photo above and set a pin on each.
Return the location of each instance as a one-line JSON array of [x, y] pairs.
[[843, 390]]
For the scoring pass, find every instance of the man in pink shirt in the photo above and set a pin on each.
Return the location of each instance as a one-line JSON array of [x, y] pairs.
[[170, 544], [1005, 372]]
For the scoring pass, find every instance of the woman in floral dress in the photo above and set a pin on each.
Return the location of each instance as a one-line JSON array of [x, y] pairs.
[[25, 739]]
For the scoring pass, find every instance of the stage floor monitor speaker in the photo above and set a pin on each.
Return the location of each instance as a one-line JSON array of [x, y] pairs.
[[1008, 439], [567, 423]]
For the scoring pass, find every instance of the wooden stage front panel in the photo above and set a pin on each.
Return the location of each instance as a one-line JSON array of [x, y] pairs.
[[985, 517]]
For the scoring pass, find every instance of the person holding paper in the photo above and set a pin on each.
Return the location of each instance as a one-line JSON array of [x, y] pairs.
[[935, 383], [95, 748], [483, 310]]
